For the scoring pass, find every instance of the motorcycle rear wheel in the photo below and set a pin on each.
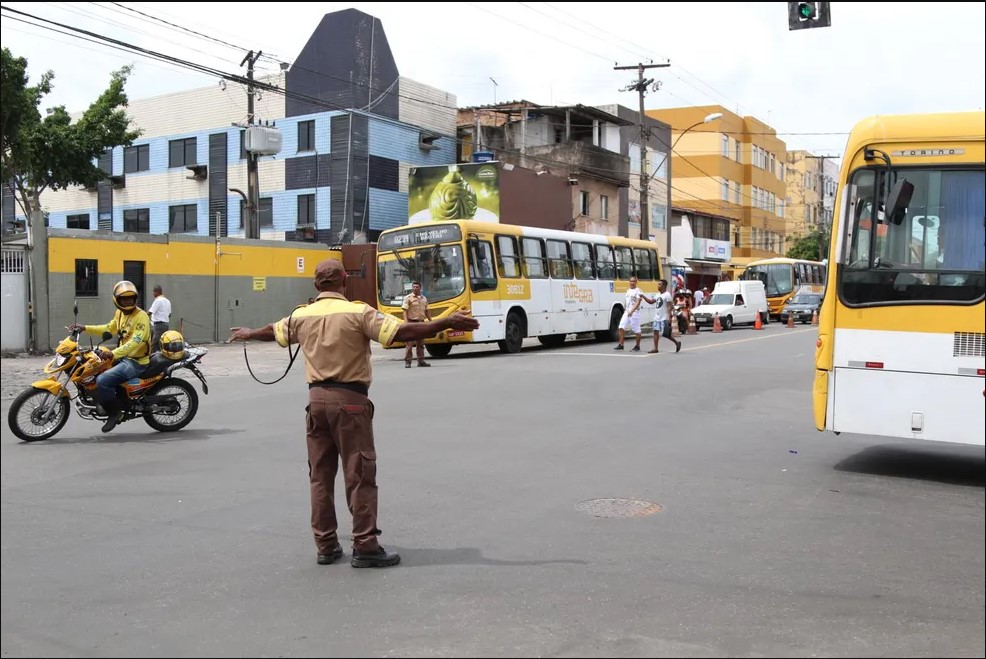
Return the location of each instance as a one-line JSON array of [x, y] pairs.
[[29, 428], [186, 408]]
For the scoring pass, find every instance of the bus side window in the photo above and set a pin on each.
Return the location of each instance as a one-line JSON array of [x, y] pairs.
[[508, 262], [605, 269], [642, 263], [624, 262], [481, 272], [559, 260], [655, 263], [534, 265], [582, 257]]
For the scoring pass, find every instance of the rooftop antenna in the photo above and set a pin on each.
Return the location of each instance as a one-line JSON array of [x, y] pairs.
[[495, 85]]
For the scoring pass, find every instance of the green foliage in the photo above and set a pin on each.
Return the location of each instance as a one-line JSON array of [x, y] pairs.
[[54, 152], [812, 246]]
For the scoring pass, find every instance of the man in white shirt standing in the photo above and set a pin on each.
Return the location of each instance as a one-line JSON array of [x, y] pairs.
[[700, 296], [631, 314], [662, 316], [160, 313]]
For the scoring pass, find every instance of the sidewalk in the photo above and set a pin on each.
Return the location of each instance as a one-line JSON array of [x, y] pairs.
[[223, 360]]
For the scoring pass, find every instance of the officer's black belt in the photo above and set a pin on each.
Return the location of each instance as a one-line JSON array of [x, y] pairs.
[[356, 387]]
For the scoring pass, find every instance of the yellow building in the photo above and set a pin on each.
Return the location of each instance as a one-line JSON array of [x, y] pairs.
[[732, 167], [810, 190]]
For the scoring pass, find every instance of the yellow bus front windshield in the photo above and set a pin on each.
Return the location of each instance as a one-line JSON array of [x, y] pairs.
[[437, 267], [777, 278], [931, 248]]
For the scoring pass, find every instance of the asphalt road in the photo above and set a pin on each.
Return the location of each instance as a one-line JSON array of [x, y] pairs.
[[750, 534]]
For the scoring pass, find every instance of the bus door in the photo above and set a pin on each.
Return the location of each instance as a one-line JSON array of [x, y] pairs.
[[535, 270]]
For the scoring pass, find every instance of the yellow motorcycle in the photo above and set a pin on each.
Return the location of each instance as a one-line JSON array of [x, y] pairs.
[[165, 402]]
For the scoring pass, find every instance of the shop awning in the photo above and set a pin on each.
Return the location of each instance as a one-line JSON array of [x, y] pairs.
[[705, 262]]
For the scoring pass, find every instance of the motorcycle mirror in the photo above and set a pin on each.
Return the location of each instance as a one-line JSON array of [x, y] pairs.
[[106, 336], [75, 310]]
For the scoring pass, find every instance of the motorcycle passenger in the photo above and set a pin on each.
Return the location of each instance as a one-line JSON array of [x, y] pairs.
[[132, 354]]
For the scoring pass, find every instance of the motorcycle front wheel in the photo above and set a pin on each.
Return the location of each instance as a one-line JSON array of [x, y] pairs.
[[31, 417], [186, 398]]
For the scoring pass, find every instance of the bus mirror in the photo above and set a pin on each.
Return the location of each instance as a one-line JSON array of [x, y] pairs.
[[898, 200]]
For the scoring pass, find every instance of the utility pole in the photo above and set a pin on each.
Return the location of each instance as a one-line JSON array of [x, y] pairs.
[[641, 88], [250, 222], [823, 225]]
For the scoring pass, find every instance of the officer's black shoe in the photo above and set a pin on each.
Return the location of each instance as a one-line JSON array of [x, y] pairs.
[[379, 558], [328, 559]]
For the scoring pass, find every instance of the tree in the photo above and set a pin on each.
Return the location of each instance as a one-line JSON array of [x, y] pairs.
[[55, 152], [812, 246]]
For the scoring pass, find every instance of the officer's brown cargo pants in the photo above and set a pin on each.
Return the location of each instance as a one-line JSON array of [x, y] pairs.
[[340, 426]]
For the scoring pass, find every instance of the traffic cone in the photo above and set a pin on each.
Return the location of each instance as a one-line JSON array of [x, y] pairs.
[[716, 325], [790, 319], [814, 317], [758, 324], [692, 327]]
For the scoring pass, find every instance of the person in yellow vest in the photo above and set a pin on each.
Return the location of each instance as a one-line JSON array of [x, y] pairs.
[[132, 354]]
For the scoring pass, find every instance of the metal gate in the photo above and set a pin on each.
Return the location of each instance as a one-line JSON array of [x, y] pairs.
[[13, 289]]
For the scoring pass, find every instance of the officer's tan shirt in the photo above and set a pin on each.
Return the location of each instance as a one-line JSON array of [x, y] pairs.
[[335, 336], [415, 307]]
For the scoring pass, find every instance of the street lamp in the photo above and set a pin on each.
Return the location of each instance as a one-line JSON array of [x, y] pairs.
[[708, 119]]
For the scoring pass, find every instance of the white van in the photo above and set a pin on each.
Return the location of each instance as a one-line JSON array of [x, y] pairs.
[[736, 303]]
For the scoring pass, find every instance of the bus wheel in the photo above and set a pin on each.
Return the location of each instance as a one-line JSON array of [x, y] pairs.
[[438, 349], [552, 340], [613, 333], [513, 338]]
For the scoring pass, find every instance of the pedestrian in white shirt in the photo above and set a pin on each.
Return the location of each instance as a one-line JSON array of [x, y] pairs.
[[699, 297], [160, 313], [631, 315], [662, 316]]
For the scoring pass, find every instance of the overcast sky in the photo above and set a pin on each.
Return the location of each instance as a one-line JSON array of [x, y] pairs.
[[810, 85]]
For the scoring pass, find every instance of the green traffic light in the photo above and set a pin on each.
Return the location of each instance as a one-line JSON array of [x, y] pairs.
[[806, 9]]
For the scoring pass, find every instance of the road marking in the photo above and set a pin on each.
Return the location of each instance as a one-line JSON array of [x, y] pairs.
[[644, 353]]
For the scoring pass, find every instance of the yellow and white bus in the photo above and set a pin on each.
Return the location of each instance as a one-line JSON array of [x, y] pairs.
[[518, 281], [901, 349], [783, 277]]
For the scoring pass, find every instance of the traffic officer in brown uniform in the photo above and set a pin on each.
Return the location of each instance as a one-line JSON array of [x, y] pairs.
[[335, 336], [415, 311]]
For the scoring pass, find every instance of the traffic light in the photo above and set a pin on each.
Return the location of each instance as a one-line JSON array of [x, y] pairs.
[[806, 15]]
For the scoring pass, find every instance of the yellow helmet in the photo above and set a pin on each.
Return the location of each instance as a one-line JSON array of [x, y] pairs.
[[173, 345], [125, 296]]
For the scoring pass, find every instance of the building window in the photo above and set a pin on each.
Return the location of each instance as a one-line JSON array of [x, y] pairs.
[[77, 221], [739, 151], [583, 202], [266, 212], [137, 220], [306, 210], [243, 151], [182, 152], [183, 219], [136, 158], [660, 169], [736, 194], [306, 135], [773, 164], [86, 278], [604, 207], [725, 146], [725, 190]]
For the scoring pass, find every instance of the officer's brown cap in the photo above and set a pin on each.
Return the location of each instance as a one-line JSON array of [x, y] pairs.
[[329, 271]]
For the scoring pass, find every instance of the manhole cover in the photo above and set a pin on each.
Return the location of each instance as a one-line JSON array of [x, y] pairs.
[[618, 507]]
